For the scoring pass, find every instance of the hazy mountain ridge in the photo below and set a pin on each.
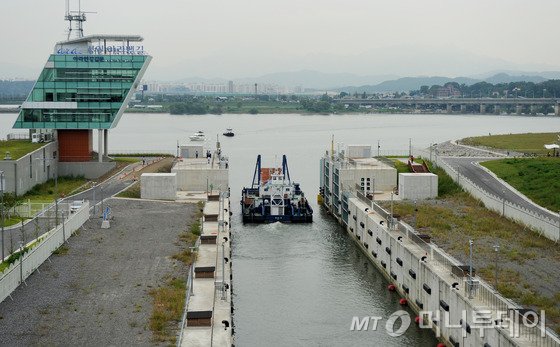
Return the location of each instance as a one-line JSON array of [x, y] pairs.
[[414, 83]]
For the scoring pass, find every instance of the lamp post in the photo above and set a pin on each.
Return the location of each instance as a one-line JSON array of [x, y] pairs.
[[470, 268], [496, 249], [2, 211], [55, 190]]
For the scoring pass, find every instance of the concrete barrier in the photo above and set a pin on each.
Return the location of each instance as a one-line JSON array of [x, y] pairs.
[[14, 275], [423, 274]]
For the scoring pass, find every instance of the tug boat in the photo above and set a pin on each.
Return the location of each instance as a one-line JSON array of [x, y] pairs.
[[198, 136], [229, 132], [273, 197]]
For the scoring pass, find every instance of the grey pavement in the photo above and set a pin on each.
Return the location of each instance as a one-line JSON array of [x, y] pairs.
[[32, 229], [468, 167]]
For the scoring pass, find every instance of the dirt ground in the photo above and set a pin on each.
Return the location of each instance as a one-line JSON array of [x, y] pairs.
[[97, 293]]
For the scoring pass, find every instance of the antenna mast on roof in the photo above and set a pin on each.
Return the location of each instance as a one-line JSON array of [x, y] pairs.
[[77, 17]]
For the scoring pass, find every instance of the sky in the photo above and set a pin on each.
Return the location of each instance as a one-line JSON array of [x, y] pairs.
[[245, 38]]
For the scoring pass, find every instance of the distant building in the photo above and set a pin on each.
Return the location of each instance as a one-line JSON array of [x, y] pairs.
[[447, 91], [231, 88]]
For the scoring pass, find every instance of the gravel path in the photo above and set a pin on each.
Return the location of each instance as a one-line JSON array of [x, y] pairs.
[[98, 293]]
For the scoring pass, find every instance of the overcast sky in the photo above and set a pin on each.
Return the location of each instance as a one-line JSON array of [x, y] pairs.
[[244, 38]]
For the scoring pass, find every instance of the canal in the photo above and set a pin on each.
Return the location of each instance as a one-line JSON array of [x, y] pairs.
[[301, 285]]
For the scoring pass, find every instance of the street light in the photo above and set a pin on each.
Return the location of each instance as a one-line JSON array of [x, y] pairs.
[[55, 189], [2, 211], [496, 249]]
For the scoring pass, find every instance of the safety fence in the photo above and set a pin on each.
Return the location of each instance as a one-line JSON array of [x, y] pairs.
[[40, 250], [549, 227], [482, 293]]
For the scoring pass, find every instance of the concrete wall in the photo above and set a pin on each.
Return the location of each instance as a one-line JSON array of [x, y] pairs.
[[23, 174], [159, 186], [196, 179], [90, 170], [383, 178], [13, 276], [418, 186], [395, 253], [189, 151]]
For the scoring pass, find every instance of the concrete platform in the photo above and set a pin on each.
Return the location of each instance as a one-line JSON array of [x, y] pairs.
[[207, 292]]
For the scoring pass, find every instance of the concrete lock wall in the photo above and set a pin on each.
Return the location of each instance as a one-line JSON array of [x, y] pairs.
[[383, 178], [158, 186], [90, 170], [34, 168], [189, 151], [201, 179], [418, 186], [428, 284]]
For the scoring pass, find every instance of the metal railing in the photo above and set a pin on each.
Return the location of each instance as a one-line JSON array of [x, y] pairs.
[[542, 224]]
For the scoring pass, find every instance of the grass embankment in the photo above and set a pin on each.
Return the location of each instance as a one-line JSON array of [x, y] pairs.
[[169, 300], [524, 143], [45, 192], [537, 178], [527, 261], [18, 148]]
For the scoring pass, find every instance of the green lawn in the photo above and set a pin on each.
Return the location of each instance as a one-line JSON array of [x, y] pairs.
[[525, 143], [18, 148], [537, 178], [45, 192]]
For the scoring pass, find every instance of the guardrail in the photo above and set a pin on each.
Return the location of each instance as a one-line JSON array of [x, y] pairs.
[[45, 245], [190, 278], [485, 293], [542, 224]]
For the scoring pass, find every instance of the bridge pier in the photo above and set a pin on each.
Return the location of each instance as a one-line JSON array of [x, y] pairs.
[[533, 109], [497, 109], [449, 108], [519, 109], [463, 108], [482, 108]]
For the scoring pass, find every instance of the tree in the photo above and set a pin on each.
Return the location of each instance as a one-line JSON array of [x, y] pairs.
[[364, 95]]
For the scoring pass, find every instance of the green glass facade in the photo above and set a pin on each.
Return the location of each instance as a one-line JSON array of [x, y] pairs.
[[82, 92]]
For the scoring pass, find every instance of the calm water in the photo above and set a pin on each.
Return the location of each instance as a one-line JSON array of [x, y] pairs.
[[301, 285]]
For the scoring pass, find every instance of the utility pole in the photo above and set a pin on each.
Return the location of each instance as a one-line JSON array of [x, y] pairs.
[[392, 220], [410, 147], [470, 268], [503, 203], [2, 207], [496, 249], [415, 214], [458, 174]]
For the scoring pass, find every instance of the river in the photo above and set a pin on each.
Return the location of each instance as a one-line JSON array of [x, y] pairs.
[[301, 285]]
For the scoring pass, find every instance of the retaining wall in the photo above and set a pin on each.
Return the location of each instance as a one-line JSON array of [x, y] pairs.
[[13, 276], [422, 273]]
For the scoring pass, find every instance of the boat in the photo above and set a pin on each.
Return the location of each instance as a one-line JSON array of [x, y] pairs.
[[198, 136], [229, 132], [274, 197]]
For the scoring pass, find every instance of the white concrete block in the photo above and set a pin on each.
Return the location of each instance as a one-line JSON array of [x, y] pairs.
[[158, 186], [418, 186]]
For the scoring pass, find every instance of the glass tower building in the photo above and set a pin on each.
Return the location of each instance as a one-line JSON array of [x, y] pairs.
[[86, 84]]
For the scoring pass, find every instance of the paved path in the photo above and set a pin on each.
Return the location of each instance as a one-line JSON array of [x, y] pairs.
[[469, 168], [104, 190]]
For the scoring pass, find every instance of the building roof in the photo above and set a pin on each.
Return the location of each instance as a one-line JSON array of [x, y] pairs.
[[91, 38]]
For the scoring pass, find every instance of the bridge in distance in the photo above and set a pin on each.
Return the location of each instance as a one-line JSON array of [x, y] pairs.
[[522, 105]]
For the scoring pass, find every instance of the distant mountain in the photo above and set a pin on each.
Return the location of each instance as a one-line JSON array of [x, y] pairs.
[[506, 78], [414, 83], [315, 79], [305, 78], [15, 88]]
